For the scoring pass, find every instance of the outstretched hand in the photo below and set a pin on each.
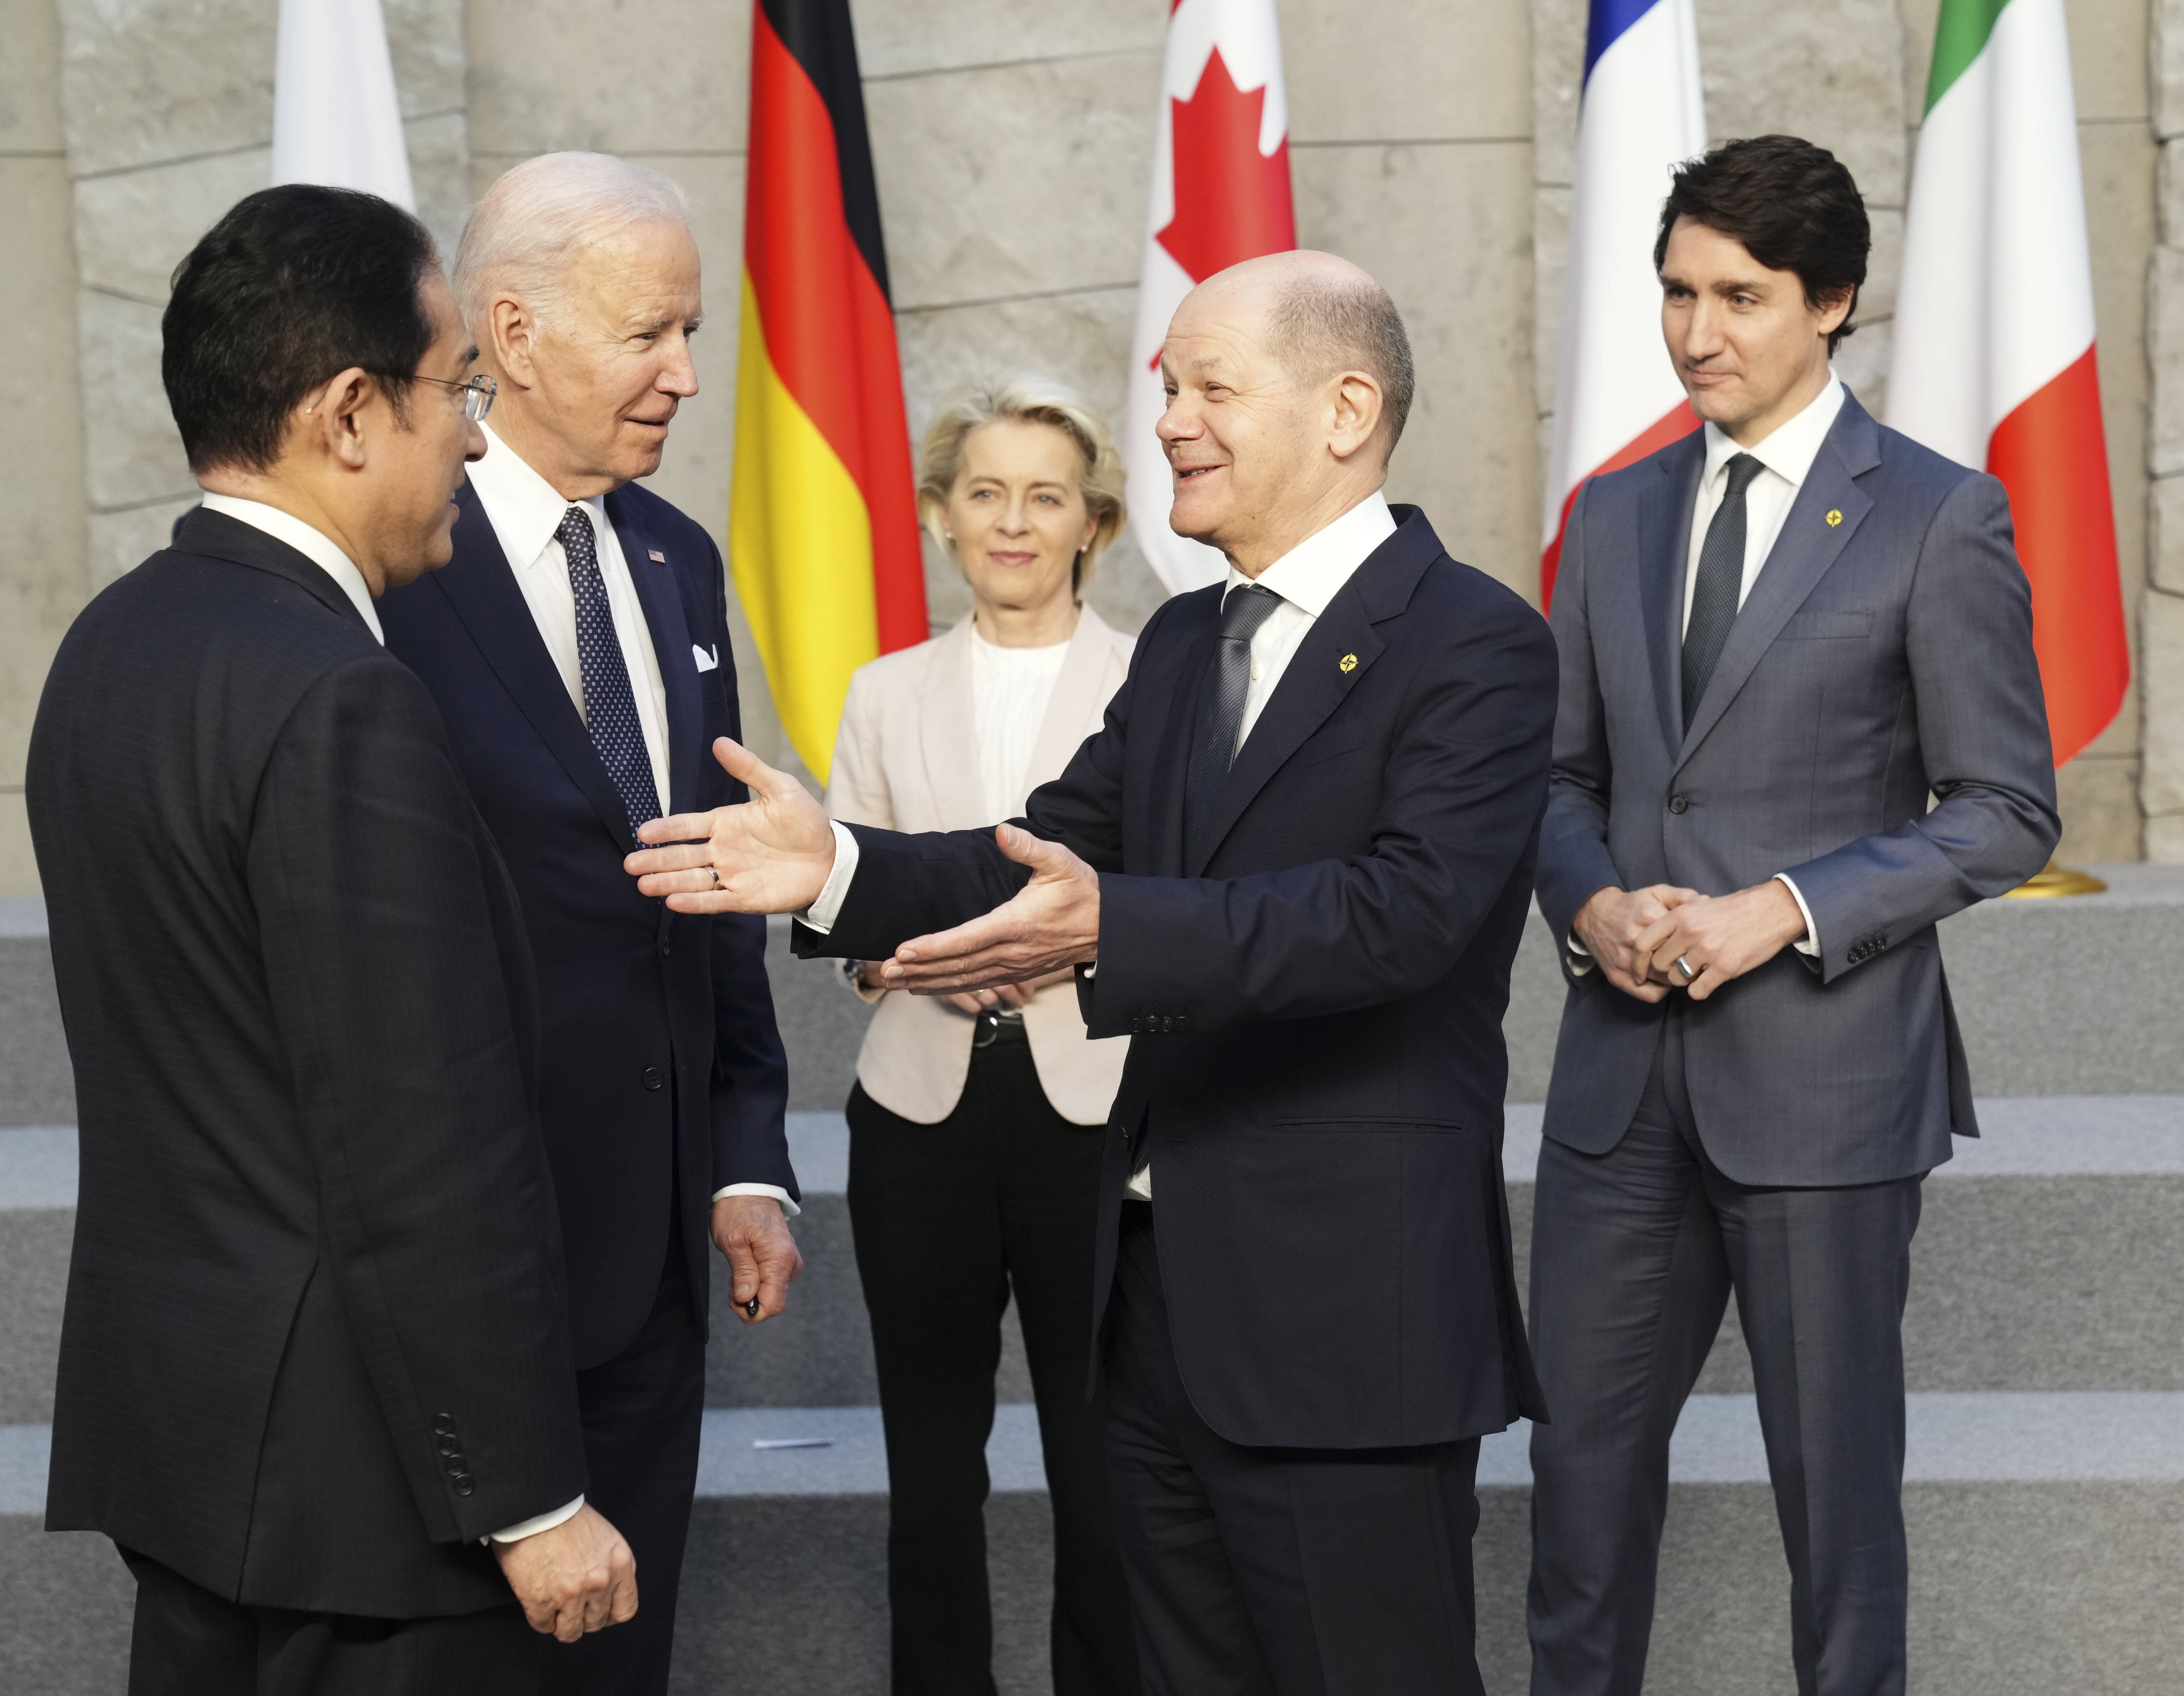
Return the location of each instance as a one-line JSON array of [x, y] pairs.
[[770, 854], [1050, 925]]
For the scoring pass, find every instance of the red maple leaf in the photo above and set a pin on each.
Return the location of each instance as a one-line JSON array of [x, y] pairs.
[[1232, 201]]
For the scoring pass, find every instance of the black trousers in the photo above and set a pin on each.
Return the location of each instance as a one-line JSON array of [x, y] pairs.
[[642, 1411], [950, 1220], [1634, 1254], [189, 1642], [1278, 1572]]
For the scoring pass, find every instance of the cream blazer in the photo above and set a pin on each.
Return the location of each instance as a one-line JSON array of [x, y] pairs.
[[907, 759]]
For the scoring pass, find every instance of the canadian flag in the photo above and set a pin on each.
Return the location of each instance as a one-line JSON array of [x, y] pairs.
[[1617, 396], [1220, 195]]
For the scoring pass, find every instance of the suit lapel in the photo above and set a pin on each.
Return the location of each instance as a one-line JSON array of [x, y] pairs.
[[1665, 524], [673, 650], [217, 535], [482, 589], [1197, 630], [947, 731], [1076, 698], [1336, 652], [1807, 545]]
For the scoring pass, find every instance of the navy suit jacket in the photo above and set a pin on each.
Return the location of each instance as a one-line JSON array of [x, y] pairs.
[[1314, 1002], [661, 1070], [1884, 655]]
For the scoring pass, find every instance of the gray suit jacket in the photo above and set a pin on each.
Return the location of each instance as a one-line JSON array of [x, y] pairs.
[[1885, 652]]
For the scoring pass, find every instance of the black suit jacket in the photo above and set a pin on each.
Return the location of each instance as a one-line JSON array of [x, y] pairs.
[[314, 1346], [649, 1016], [1315, 1004]]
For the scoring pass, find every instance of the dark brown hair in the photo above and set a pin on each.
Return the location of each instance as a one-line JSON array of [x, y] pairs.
[[1791, 204]]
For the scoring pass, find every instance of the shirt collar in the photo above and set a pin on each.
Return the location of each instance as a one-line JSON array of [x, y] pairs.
[[524, 509], [1309, 574], [312, 543], [1790, 451]]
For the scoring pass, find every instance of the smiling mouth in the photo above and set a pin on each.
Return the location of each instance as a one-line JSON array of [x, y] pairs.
[[1184, 473]]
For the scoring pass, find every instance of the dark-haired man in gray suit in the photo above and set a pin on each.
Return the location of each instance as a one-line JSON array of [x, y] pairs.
[[1779, 638]]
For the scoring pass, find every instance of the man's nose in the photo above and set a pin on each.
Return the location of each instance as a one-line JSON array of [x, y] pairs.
[[679, 375], [1177, 423], [473, 439]]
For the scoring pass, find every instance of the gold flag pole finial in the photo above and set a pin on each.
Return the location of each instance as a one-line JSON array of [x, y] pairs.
[[2056, 880]]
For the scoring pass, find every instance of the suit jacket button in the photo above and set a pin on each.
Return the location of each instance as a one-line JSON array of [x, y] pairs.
[[653, 1078], [1677, 804], [1182, 1021], [1166, 1023], [464, 1487], [1137, 1027], [443, 1425]]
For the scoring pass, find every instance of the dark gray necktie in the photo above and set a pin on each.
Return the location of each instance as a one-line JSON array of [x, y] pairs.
[[610, 704], [1720, 586], [1220, 707]]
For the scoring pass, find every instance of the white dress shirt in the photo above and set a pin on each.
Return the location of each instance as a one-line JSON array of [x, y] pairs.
[[315, 545], [1010, 689], [320, 549], [1786, 458], [524, 511], [1307, 578]]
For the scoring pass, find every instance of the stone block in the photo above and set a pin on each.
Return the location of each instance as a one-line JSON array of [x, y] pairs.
[[133, 227], [613, 76], [2164, 535], [2165, 72], [425, 39], [29, 77], [1082, 337], [1408, 70], [1831, 74], [907, 37], [2164, 354], [19, 865], [1015, 179], [2110, 49], [133, 452], [1551, 210], [1448, 230], [2165, 839], [1557, 67], [41, 578], [2098, 796], [2119, 163], [2161, 683], [438, 145], [144, 80], [120, 542], [2169, 194], [1862, 362]]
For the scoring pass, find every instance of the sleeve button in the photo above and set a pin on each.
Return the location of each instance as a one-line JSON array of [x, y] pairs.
[[1677, 804]]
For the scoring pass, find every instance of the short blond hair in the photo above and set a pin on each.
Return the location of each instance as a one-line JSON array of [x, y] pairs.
[[1023, 400]]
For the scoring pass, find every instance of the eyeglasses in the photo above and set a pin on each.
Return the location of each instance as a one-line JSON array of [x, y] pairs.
[[478, 392]]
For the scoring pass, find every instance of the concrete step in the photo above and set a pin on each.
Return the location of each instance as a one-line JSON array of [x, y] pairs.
[[2047, 1261], [2047, 1532], [2077, 995]]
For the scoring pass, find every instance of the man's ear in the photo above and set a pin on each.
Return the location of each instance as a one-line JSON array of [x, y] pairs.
[[1357, 406], [1835, 309], [332, 419], [510, 335]]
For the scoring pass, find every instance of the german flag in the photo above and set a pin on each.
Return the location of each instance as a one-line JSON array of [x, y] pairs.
[[822, 524]]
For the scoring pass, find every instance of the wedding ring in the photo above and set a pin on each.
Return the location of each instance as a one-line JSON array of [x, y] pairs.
[[716, 870], [1683, 966]]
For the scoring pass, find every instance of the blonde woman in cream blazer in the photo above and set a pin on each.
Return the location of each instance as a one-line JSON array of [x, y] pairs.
[[975, 1126]]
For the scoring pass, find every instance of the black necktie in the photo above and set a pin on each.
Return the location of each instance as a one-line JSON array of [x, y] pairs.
[[1720, 586], [1220, 707], [610, 705]]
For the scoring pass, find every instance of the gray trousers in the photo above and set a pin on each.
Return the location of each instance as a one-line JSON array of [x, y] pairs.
[[1634, 1254]]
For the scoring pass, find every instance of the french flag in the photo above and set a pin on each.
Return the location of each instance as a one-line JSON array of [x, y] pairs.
[[1617, 397]]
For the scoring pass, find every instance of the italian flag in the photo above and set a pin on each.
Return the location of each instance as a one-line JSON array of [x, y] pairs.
[[1993, 361], [822, 519]]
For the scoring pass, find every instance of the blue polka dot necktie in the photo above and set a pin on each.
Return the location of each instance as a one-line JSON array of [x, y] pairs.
[[610, 704]]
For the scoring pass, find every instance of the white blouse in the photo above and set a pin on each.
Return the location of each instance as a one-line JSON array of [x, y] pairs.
[[1010, 689]]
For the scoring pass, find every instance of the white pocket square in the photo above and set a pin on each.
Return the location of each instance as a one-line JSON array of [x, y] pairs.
[[709, 659]]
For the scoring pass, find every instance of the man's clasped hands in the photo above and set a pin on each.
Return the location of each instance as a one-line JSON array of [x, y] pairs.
[[1661, 937]]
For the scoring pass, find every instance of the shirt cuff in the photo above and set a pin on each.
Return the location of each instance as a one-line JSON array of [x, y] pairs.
[[531, 1527], [820, 914], [788, 1208], [1809, 943], [1581, 957]]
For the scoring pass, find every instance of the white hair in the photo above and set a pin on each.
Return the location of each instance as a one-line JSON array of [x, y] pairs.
[[539, 214]]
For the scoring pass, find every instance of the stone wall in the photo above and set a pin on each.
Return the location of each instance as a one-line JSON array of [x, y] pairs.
[[1012, 139], [2161, 617]]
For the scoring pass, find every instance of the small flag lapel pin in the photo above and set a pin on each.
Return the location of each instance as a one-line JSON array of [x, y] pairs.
[[659, 558]]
